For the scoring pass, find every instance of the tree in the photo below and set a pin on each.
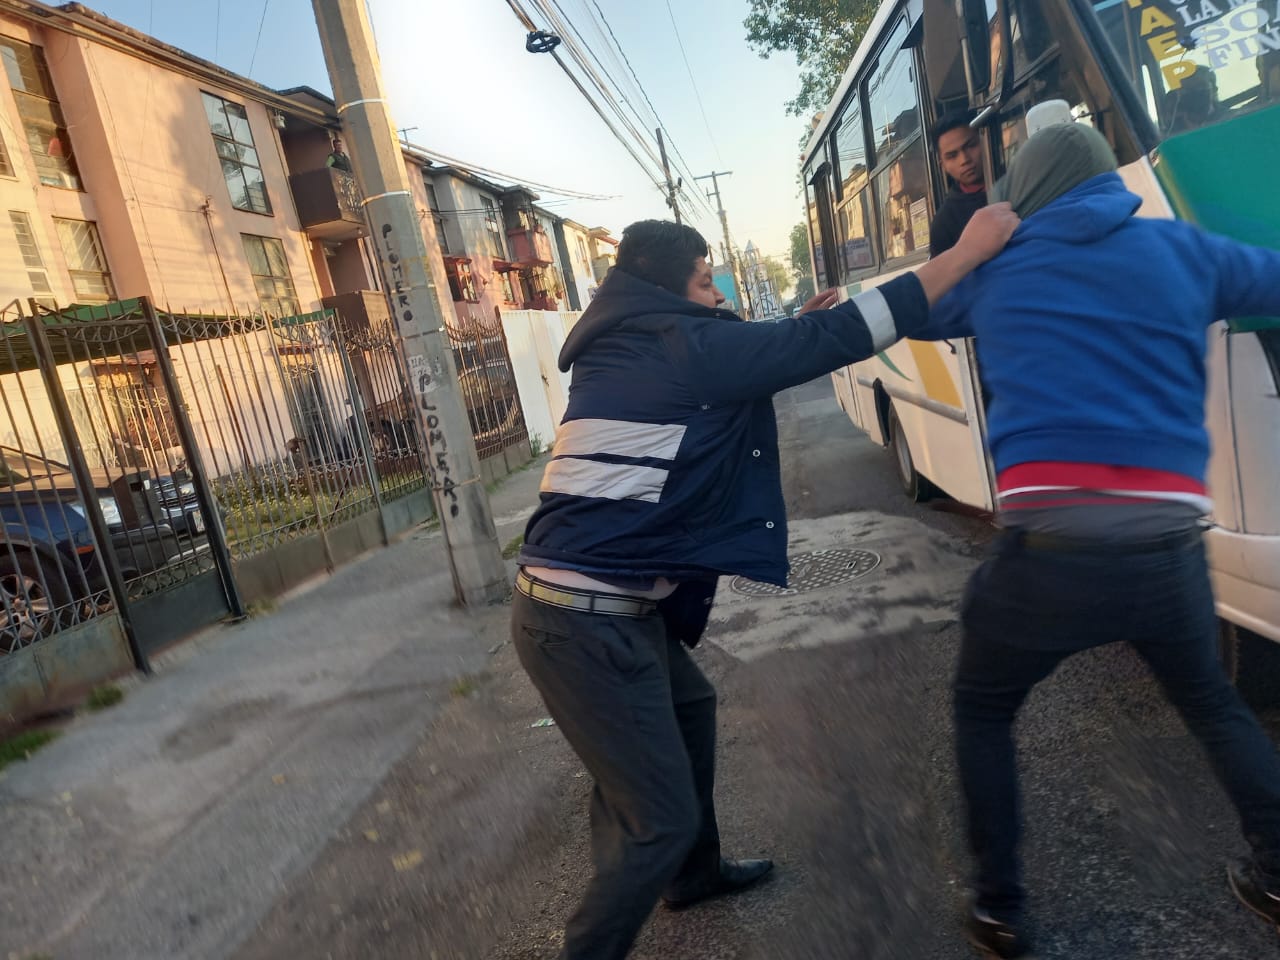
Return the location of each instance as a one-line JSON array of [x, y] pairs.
[[823, 34], [800, 263]]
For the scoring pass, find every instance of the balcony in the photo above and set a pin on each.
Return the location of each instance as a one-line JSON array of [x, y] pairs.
[[328, 203], [530, 248], [362, 312]]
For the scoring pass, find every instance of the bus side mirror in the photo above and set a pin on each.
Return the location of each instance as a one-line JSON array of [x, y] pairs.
[[977, 42]]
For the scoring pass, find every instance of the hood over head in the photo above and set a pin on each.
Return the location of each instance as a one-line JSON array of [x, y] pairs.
[[621, 297], [1052, 163]]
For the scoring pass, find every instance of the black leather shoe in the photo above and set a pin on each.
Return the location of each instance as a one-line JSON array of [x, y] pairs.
[[1255, 892], [996, 939], [734, 875]]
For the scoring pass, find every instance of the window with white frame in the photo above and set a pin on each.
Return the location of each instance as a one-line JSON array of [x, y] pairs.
[[271, 277], [42, 119], [6, 166], [30, 250], [86, 262], [437, 217], [241, 167], [494, 225]]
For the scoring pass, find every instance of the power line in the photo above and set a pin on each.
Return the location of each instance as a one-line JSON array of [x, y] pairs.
[[529, 25], [488, 171], [693, 82], [565, 25], [688, 172], [261, 21], [695, 197]]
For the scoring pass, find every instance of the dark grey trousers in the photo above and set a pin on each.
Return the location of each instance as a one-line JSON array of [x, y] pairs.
[[642, 718]]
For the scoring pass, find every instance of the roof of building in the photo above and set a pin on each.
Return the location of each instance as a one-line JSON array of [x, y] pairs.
[[82, 21], [302, 103]]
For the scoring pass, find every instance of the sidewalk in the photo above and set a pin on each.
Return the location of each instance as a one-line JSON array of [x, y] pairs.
[[166, 826]]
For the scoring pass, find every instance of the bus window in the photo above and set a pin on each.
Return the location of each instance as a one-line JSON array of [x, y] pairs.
[[903, 192], [1032, 38], [1049, 82], [1195, 65], [855, 233], [1059, 66], [853, 216], [902, 180], [891, 97], [851, 153], [815, 232]]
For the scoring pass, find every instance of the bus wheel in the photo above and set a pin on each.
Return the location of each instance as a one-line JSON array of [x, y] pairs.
[[917, 488], [1229, 649]]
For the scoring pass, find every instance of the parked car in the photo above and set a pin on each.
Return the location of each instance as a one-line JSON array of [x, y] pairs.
[[49, 566], [179, 505]]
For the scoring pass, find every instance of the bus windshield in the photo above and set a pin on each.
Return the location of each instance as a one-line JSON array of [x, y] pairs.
[[1196, 63]]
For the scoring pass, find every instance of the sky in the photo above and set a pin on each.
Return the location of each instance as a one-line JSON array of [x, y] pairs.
[[459, 73]]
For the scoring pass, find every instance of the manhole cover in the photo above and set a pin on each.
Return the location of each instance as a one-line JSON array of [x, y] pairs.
[[813, 571]]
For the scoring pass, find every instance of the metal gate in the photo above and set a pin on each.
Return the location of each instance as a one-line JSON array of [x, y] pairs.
[[134, 453], [158, 466]]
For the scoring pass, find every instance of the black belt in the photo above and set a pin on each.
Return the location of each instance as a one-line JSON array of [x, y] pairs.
[[1055, 543], [588, 601]]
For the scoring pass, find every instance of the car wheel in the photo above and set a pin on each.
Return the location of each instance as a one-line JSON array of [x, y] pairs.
[[35, 601], [917, 488]]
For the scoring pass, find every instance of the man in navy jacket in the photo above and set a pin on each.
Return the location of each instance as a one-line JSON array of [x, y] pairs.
[[665, 476]]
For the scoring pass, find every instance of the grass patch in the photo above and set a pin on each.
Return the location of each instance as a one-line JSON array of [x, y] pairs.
[[24, 745], [261, 608], [512, 548], [103, 697], [465, 685]]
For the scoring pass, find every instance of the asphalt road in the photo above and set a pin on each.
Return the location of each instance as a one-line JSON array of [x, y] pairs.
[[835, 759]]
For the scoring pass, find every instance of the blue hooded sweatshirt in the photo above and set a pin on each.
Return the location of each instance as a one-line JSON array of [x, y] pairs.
[[1092, 331]]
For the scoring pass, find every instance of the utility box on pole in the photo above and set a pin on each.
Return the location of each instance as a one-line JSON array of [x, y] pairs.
[[417, 308]]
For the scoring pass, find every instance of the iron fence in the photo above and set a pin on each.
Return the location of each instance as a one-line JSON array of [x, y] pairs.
[[51, 573], [147, 455], [488, 384], [275, 417]]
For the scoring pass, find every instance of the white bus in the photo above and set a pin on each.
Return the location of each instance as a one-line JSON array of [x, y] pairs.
[[1187, 93]]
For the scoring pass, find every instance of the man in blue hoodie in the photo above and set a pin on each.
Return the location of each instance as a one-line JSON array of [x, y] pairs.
[[665, 476], [1092, 326]]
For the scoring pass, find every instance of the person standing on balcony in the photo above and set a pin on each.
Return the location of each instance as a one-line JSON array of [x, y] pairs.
[[665, 476], [338, 158]]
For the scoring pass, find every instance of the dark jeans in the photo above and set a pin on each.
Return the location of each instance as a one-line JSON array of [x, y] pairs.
[[1025, 611], [642, 718]]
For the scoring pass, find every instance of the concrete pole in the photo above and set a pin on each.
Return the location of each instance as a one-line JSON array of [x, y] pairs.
[[666, 172], [417, 308], [724, 225]]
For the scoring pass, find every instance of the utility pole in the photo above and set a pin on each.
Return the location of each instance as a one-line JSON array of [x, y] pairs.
[[724, 225], [666, 172], [417, 309]]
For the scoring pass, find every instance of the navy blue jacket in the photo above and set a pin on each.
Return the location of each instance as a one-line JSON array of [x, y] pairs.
[[666, 462], [1091, 329]]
